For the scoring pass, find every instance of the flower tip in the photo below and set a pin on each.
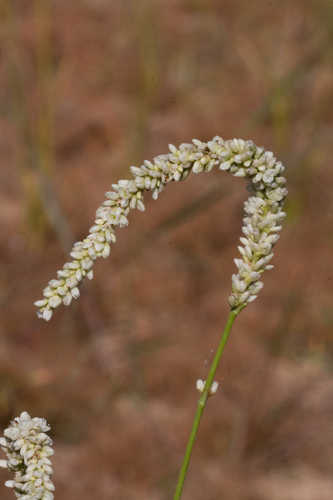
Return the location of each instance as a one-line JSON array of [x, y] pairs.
[[47, 314], [214, 387], [200, 384]]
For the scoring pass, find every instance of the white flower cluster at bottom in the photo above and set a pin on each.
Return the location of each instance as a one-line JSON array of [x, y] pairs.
[[28, 449]]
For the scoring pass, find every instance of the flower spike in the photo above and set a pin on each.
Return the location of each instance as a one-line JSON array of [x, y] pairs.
[[28, 449], [261, 224]]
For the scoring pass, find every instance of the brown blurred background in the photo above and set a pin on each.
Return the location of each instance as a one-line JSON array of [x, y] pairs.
[[88, 88]]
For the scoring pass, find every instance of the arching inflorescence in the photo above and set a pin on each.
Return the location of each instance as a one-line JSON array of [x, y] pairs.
[[261, 224]]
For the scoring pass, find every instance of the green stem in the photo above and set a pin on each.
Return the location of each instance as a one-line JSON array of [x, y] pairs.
[[203, 401]]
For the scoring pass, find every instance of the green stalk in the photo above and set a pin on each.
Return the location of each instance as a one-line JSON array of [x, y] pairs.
[[203, 401]]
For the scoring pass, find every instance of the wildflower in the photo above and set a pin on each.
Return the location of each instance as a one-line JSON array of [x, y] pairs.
[[28, 449], [261, 225]]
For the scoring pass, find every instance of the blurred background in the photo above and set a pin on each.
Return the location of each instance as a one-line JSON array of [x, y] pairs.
[[88, 88]]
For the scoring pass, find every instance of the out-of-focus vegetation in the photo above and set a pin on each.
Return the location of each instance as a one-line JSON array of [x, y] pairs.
[[88, 88]]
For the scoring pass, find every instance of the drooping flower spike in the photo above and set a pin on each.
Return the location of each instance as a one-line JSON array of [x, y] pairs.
[[261, 224]]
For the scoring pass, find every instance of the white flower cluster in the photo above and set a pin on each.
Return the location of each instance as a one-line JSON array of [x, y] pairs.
[[261, 223], [200, 385], [28, 449]]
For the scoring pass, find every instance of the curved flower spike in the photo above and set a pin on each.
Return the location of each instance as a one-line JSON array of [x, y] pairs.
[[261, 224]]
